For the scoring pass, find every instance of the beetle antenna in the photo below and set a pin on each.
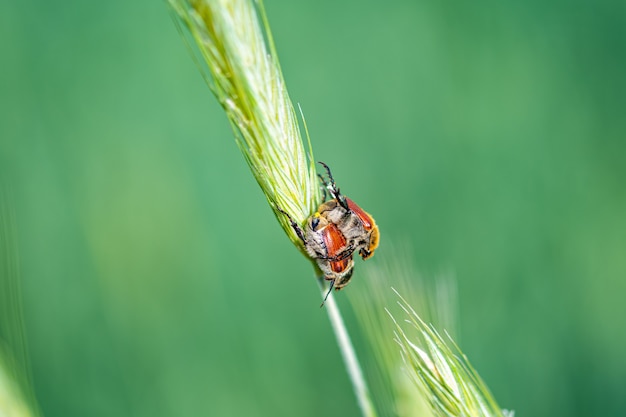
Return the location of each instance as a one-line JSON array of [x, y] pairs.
[[332, 284]]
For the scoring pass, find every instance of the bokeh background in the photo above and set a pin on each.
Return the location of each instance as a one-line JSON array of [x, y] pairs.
[[488, 137]]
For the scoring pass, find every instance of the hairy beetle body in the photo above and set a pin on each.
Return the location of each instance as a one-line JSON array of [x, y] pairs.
[[358, 226], [334, 232]]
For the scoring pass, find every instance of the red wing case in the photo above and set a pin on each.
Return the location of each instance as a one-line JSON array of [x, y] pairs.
[[367, 220], [335, 242]]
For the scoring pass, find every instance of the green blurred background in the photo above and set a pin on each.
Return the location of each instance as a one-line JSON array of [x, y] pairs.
[[489, 135]]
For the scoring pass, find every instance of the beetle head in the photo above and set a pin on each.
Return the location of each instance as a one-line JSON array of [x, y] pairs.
[[368, 252]]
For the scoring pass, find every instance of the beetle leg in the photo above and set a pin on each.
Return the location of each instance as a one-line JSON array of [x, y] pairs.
[[346, 253], [332, 187], [295, 226], [324, 187], [330, 289]]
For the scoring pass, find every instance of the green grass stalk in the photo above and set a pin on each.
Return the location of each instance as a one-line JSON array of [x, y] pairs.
[[348, 354], [240, 65]]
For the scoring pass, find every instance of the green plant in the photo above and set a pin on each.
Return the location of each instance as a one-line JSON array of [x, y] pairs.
[[245, 77], [240, 65], [16, 394]]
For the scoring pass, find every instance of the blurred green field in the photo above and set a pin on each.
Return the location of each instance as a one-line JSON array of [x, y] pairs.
[[489, 135]]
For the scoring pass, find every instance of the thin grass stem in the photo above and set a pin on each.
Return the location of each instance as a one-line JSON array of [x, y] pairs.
[[349, 355]]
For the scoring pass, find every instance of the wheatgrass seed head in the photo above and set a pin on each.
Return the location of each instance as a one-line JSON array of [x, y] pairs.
[[441, 371], [418, 370], [242, 70], [245, 76], [394, 388]]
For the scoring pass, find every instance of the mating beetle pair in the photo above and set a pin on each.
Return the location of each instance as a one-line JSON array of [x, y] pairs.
[[334, 232]]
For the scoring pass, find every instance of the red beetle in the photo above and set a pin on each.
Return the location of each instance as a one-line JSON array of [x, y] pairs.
[[337, 229], [324, 242], [356, 224]]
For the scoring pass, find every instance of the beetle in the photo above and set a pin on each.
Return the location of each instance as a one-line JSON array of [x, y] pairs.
[[324, 242], [334, 232], [355, 224], [338, 265]]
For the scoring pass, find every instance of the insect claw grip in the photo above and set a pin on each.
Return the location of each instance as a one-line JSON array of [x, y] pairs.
[[332, 187], [295, 226]]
